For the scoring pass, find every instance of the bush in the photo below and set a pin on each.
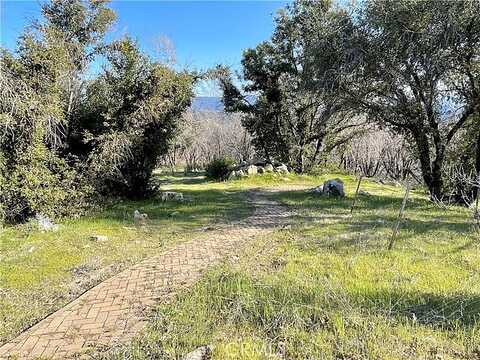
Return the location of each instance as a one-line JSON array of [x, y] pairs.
[[328, 168], [41, 183], [219, 169], [131, 114]]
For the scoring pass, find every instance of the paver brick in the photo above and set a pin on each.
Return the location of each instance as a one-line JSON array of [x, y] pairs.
[[115, 310]]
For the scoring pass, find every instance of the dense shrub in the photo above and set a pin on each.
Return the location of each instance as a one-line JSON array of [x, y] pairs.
[[328, 168], [41, 183], [218, 169], [60, 132], [327, 70], [129, 119]]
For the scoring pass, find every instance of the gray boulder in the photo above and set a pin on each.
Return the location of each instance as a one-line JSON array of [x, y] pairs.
[[252, 170], [318, 189], [172, 195], [268, 168], [139, 218], [333, 187], [201, 353], [282, 169], [232, 175], [45, 223]]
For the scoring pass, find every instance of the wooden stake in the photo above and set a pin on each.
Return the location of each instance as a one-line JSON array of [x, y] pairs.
[[477, 194], [356, 193], [476, 202], [400, 217], [476, 215]]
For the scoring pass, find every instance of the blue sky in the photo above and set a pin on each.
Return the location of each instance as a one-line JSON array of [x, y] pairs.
[[204, 33]]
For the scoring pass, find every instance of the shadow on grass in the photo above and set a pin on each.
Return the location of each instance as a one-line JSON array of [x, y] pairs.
[[467, 246], [181, 178], [228, 295], [447, 311], [374, 218], [202, 206]]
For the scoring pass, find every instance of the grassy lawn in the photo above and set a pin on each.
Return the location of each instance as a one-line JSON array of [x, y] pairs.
[[327, 288], [40, 272]]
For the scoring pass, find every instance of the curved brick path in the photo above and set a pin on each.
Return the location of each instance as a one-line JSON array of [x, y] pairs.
[[116, 309]]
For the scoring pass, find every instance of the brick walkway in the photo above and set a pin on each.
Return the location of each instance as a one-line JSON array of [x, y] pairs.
[[117, 308]]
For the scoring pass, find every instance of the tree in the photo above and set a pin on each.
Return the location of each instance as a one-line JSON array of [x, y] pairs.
[[130, 116], [52, 125], [462, 163], [208, 135], [78, 26], [36, 175], [409, 55], [378, 153], [294, 80], [464, 82]]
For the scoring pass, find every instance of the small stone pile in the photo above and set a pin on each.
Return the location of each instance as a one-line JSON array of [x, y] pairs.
[[248, 169]]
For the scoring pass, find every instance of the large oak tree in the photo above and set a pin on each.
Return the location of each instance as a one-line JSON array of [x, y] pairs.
[[293, 82], [418, 73]]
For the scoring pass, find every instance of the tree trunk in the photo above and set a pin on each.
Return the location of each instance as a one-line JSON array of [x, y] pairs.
[[431, 172], [300, 163], [436, 188], [476, 190], [313, 160], [477, 155]]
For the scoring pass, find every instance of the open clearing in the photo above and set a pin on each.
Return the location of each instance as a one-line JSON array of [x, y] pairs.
[[325, 287], [40, 272]]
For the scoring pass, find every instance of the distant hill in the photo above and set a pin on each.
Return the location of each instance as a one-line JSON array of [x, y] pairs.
[[207, 103], [213, 103]]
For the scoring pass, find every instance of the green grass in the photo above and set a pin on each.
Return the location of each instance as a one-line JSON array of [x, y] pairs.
[[41, 271], [328, 289]]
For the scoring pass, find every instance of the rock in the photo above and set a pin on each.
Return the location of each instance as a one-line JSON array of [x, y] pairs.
[[201, 353], [260, 169], [252, 170], [333, 187], [139, 218], [268, 168], [207, 228], [232, 175], [282, 169], [45, 224], [99, 237], [172, 195]]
